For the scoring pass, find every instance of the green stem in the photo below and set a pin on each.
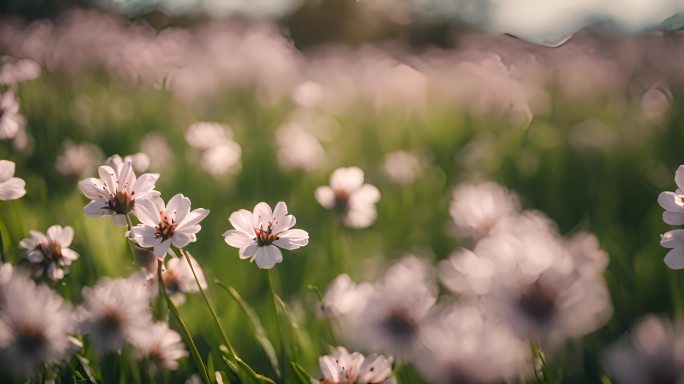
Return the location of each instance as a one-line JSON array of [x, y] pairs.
[[129, 222], [283, 359], [191, 343]]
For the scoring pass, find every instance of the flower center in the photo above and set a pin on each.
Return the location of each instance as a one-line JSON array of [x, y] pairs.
[[51, 250], [538, 303], [30, 340], [166, 227], [122, 202], [111, 323], [341, 201], [400, 323], [265, 237]]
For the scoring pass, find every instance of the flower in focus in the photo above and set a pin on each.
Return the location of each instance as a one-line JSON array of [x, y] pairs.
[[652, 353], [49, 253], [163, 225], [162, 345], [348, 195], [179, 280], [114, 311], [11, 188], [402, 167], [353, 368], [218, 152], [116, 192], [11, 121], [477, 208], [260, 234], [78, 160], [673, 202], [35, 324]]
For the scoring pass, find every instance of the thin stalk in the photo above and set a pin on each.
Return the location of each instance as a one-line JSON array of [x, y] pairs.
[[129, 222], [191, 343], [283, 359]]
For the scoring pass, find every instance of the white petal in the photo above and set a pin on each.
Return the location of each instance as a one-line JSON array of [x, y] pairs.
[[178, 207], [673, 218], [346, 179], [325, 196], [145, 183], [6, 170], [280, 210], [161, 248], [242, 221], [119, 220], [668, 202], [268, 256], [55, 232], [182, 239], [262, 214], [367, 194], [69, 254], [675, 258], [673, 239], [108, 177], [194, 217], [679, 177], [237, 239], [292, 239], [146, 211], [249, 250], [94, 189], [97, 208], [12, 189], [35, 256]]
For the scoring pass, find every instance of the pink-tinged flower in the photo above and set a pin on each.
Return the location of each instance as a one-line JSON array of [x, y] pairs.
[[50, 254], [11, 121], [260, 234], [116, 192], [11, 188], [348, 195], [673, 202], [163, 225]]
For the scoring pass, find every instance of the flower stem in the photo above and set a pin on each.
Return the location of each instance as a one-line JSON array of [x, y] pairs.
[[191, 343], [278, 323], [129, 222]]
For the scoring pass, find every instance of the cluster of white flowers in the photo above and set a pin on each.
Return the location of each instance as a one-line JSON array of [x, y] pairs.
[[520, 283], [218, 153]]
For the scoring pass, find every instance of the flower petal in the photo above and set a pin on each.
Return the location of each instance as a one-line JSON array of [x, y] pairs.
[[292, 239], [268, 256], [237, 239]]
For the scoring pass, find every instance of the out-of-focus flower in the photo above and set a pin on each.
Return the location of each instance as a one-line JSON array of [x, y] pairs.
[[342, 367], [162, 345], [464, 272], [114, 311], [673, 202], [162, 225], [179, 280], [656, 101], [140, 162], [402, 167], [49, 253], [307, 94], [343, 297], [35, 324], [260, 234], [11, 121], [116, 192], [78, 160], [394, 314], [463, 345], [298, 148], [217, 150], [590, 260], [11, 188], [349, 196], [477, 208], [14, 72], [155, 146], [675, 240], [652, 353]]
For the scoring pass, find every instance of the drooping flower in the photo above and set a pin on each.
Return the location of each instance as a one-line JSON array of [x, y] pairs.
[[11, 121], [179, 280], [116, 192], [114, 311], [163, 225], [342, 367], [348, 195], [49, 253], [260, 234], [673, 202], [651, 354], [162, 345], [11, 188], [35, 327]]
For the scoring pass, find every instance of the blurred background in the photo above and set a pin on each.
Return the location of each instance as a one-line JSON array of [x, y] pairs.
[[575, 107]]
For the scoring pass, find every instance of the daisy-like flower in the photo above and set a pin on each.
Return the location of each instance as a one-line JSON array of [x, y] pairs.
[[162, 225], [162, 345], [179, 280], [673, 202], [35, 327], [260, 234], [11, 188], [348, 195], [49, 253], [11, 121], [116, 192], [342, 367], [114, 311]]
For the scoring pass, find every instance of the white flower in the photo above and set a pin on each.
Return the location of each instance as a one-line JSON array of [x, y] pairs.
[[204, 135], [11, 121], [348, 195], [673, 202], [675, 240], [218, 152], [342, 367], [163, 225], [477, 208], [178, 278], [160, 344], [260, 234], [139, 161], [50, 254], [298, 148], [11, 188], [114, 310], [402, 167], [35, 324], [116, 192], [78, 160], [652, 353], [343, 297], [590, 260], [464, 272]]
